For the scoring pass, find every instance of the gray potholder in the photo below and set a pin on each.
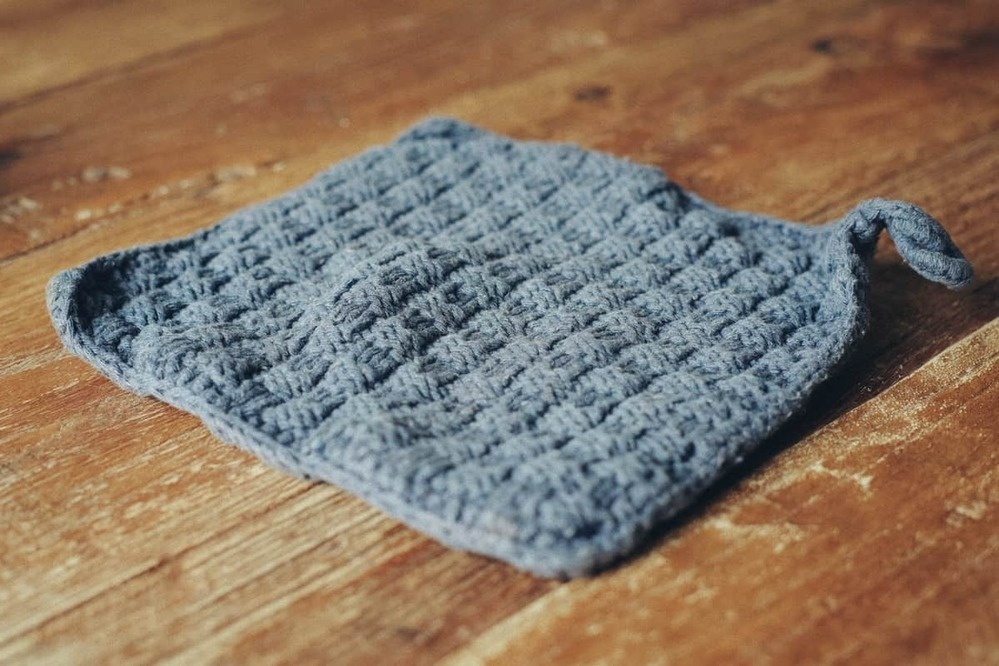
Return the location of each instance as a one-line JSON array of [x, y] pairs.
[[528, 350]]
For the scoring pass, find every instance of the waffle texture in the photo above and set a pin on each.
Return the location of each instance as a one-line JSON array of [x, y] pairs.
[[523, 349]]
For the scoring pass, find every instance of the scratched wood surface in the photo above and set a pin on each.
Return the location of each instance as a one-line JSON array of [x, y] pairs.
[[865, 531]]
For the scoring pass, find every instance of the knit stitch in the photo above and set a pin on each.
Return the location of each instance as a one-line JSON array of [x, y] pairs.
[[522, 349]]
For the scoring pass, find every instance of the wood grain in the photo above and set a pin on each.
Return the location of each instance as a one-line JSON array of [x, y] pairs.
[[863, 532]]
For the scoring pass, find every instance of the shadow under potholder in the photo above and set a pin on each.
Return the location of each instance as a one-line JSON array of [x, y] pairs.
[[522, 349]]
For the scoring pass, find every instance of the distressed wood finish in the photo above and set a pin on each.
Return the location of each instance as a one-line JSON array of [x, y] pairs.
[[865, 531]]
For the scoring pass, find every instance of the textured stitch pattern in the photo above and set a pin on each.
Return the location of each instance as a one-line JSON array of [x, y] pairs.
[[527, 350]]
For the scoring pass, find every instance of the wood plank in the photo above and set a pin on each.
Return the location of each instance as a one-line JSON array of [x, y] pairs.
[[107, 550], [48, 45]]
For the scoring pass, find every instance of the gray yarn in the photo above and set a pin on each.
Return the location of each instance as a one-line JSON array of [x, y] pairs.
[[527, 350]]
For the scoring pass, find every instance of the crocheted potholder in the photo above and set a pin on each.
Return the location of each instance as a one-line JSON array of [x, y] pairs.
[[522, 349]]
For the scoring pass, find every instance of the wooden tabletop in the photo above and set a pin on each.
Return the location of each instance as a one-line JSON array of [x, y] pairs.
[[866, 531]]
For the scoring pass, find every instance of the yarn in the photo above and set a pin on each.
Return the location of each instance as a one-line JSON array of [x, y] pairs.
[[527, 350]]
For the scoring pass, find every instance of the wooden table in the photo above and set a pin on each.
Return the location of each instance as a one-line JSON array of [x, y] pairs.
[[864, 532]]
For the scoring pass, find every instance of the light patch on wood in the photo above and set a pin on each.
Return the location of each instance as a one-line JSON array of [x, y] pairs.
[[17, 207]]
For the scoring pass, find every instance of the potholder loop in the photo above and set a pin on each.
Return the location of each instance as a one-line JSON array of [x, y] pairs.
[[919, 238]]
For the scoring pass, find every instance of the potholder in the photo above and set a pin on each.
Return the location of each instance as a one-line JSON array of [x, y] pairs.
[[522, 349]]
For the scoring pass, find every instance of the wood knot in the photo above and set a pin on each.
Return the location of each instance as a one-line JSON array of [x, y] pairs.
[[593, 93], [824, 45]]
